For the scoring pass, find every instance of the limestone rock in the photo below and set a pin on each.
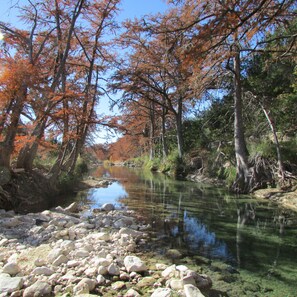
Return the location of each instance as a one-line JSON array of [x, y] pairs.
[[107, 207], [11, 268], [169, 271], [60, 260], [119, 285], [43, 270], [73, 207], [54, 254], [162, 292], [10, 284], [176, 284], [113, 269], [90, 282], [146, 282], [39, 288], [132, 293], [134, 264], [192, 291], [82, 253]]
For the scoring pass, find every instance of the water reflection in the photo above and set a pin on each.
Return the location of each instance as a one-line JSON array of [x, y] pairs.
[[111, 194], [205, 220]]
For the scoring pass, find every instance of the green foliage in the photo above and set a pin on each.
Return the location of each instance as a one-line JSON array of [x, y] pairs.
[[44, 162], [81, 167], [66, 182], [265, 149]]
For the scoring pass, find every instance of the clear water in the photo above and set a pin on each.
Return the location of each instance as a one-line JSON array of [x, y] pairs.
[[247, 246]]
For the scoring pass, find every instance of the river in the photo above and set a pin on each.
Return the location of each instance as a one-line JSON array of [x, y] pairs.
[[248, 246]]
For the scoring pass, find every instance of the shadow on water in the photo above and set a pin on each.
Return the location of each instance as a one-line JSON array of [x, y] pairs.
[[202, 220]]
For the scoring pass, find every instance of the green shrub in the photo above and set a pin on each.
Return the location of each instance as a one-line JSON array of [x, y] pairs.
[[66, 182], [81, 167]]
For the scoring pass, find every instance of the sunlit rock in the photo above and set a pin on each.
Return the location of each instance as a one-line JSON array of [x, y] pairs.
[[134, 264], [192, 291], [39, 288]]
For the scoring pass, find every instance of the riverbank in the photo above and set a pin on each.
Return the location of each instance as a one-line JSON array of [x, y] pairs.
[[61, 252], [284, 198]]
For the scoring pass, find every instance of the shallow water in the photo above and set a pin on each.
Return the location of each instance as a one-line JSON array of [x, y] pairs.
[[251, 243]]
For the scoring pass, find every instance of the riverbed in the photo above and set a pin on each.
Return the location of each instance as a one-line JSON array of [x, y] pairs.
[[247, 245]]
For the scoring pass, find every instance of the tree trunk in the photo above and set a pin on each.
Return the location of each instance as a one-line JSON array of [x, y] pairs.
[[281, 170], [163, 137], [7, 146], [179, 129], [152, 130], [29, 151], [242, 182]]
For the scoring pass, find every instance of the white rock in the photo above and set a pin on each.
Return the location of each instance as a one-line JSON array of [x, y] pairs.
[[73, 263], [192, 291], [67, 245], [11, 268], [107, 207], [82, 253], [43, 270], [132, 293], [169, 271], [131, 232], [113, 269], [3, 241], [102, 270], [162, 292], [60, 260], [103, 262], [161, 266], [90, 282], [176, 284], [90, 272], [39, 262], [100, 280], [182, 268], [39, 288], [133, 263], [101, 236], [80, 289], [73, 207], [10, 284], [54, 254]]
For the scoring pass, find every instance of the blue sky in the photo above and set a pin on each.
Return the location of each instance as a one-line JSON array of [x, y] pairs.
[[129, 10]]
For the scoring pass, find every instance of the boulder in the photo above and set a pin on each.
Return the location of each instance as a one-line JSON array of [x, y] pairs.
[[134, 264]]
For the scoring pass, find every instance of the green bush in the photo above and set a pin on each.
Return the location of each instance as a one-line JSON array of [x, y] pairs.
[[265, 149], [81, 167], [66, 182]]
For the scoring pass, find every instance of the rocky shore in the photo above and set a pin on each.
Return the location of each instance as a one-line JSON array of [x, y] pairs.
[[63, 252]]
